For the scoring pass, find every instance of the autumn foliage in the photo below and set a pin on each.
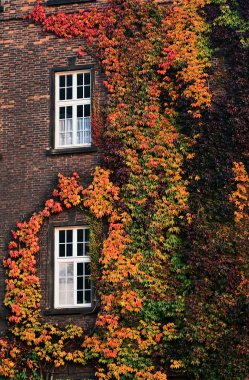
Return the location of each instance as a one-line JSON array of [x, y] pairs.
[[165, 301]]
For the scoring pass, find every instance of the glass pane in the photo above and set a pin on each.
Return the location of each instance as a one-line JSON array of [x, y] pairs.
[[79, 235], [62, 113], [87, 296], [87, 124], [86, 91], [69, 80], [79, 137], [69, 93], [62, 94], [86, 249], [80, 249], [70, 283], [69, 132], [87, 78], [69, 236], [87, 283], [70, 269], [61, 236], [62, 80], [87, 269], [79, 269], [70, 300], [61, 250], [80, 297], [69, 112], [87, 110], [62, 298], [62, 126], [79, 79], [62, 269], [70, 249], [79, 92], [80, 283], [79, 111], [87, 234]]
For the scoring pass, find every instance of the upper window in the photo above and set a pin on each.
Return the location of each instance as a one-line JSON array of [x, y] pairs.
[[72, 280], [73, 109]]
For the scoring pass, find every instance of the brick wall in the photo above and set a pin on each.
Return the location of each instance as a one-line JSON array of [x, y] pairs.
[[28, 173]]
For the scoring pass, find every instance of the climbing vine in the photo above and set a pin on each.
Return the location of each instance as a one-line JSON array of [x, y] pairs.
[[155, 60]]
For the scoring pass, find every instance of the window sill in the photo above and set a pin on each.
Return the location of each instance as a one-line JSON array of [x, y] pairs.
[[71, 311], [86, 149], [65, 2]]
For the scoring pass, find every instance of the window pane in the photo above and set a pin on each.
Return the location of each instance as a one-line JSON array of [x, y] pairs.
[[87, 234], [86, 91], [87, 296], [79, 92], [62, 282], [69, 132], [80, 235], [69, 236], [80, 283], [86, 249], [61, 250], [80, 249], [62, 298], [79, 111], [87, 283], [69, 80], [62, 112], [69, 112], [87, 110], [62, 269], [62, 94], [80, 297], [62, 80], [69, 249], [80, 269], [66, 283], [69, 93], [70, 298], [87, 78], [61, 236], [87, 269], [70, 269], [79, 79]]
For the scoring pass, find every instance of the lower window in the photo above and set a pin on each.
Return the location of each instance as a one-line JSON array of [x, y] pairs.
[[72, 281]]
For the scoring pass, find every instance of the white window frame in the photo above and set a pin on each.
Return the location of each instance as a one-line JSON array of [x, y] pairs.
[[69, 259], [74, 102]]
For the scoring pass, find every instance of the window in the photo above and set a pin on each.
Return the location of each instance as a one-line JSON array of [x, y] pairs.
[[72, 281], [73, 109]]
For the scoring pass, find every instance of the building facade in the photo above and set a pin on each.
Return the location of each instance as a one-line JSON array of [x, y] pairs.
[[45, 109]]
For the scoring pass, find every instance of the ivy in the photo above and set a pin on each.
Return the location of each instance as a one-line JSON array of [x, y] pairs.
[[161, 252]]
